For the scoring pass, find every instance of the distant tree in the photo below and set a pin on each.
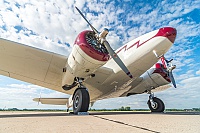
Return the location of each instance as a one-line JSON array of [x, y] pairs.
[[124, 108], [127, 108], [121, 109], [196, 109]]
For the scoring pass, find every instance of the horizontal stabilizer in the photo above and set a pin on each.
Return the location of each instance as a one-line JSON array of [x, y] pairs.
[[54, 101]]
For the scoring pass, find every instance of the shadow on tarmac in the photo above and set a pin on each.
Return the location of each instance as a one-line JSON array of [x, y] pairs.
[[52, 114]]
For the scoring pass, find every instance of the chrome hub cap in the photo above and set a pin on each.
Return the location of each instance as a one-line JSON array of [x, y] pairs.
[[76, 101]]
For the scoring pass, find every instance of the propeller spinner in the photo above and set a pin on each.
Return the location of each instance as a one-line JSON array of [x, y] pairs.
[[169, 68], [101, 37]]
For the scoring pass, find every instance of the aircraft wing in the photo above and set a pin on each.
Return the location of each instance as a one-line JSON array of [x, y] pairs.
[[31, 65]]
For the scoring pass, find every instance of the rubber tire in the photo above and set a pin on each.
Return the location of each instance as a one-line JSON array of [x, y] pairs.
[[84, 100], [160, 105]]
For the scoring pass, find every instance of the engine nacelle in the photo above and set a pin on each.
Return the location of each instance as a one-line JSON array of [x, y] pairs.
[[153, 78], [87, 55]]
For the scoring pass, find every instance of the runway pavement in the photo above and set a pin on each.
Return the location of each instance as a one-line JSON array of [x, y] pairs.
[[100, 122]]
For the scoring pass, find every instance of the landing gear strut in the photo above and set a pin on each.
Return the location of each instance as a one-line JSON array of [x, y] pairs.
[[81, 99], [155, 104]]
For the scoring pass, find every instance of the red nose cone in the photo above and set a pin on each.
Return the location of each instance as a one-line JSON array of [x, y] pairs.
[[168, 32]]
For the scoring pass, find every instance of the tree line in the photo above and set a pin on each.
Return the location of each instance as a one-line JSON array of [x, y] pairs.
[[119, 109]]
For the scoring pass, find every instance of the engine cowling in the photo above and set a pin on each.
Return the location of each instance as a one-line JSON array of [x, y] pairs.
[[154, 78], [87, 55]]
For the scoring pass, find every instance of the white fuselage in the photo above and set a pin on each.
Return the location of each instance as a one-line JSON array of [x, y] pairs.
[[138, 56]]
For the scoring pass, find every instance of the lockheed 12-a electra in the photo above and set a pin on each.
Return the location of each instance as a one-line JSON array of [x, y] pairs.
[[93, 70]]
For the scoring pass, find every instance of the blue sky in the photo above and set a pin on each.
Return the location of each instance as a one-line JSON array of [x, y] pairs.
[[53, 26]]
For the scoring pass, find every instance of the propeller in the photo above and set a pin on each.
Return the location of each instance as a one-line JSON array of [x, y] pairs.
[[169, 68], [101, 37]]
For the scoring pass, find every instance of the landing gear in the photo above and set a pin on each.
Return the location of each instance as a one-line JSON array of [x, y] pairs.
[[155, 104], [81, 99]]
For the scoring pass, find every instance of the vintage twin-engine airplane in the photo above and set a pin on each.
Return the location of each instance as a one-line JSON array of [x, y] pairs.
[[93, 70]]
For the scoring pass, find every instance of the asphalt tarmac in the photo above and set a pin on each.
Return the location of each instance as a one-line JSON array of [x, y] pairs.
[[100, 122]]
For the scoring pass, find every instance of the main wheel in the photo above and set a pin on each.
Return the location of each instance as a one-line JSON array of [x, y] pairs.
[[81, 101], [159, 105]]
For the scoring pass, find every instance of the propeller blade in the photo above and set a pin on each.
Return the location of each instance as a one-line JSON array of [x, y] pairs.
[[168, 65], [117, 59], [172, 79], [96, 32]]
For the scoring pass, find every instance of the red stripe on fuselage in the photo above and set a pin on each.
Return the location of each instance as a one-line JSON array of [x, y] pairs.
[[136, 43], [167, 32], [125, 47]]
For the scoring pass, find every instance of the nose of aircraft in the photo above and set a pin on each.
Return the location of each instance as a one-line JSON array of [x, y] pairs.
[[168, 32]]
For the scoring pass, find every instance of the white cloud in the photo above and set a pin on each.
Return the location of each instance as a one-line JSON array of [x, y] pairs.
[[198, 72], [21, 95]]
